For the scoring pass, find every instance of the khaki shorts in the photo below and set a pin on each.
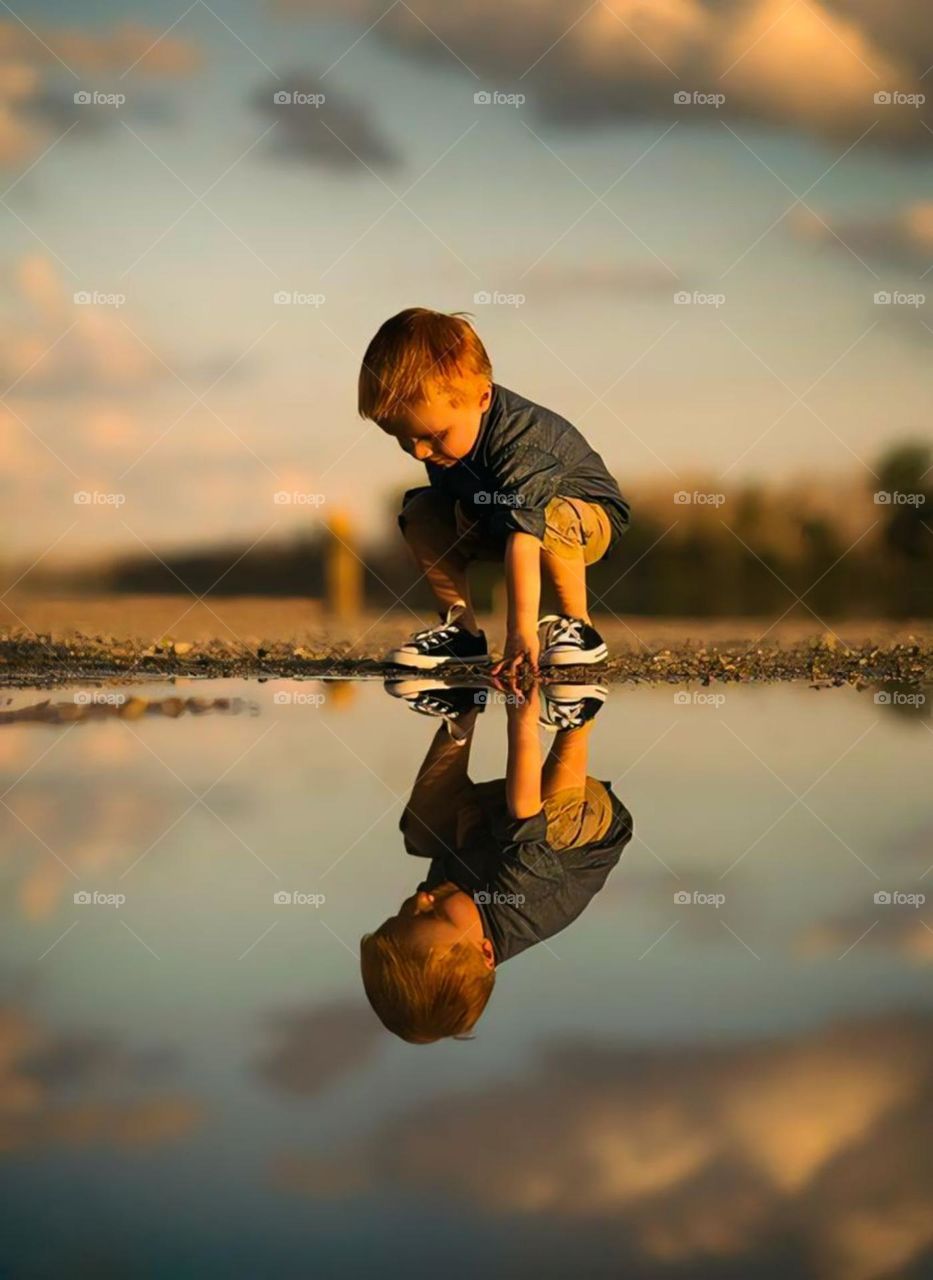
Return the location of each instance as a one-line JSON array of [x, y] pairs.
[[441, 525], [576, 816]]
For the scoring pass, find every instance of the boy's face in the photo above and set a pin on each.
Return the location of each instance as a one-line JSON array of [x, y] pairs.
[[441, 432], [440, 919]]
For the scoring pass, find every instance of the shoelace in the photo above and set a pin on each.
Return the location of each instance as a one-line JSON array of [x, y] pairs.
[[567, 716], [562, 628], [438, 634]]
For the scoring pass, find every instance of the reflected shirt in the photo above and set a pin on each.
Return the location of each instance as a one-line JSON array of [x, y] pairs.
[[525, 891]]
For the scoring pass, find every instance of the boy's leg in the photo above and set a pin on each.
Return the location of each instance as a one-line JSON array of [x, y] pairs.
[[429, 820], [576, 535], [566, 763], [429, 524]]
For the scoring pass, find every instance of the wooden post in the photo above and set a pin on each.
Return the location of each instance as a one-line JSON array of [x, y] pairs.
[[344, 571]]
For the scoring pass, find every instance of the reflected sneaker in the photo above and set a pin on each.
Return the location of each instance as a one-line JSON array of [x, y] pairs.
[[570, 706], [569, 641], [449, 703], [448, 642]]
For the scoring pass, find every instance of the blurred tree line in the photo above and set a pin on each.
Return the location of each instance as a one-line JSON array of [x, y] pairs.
[[846, 550]]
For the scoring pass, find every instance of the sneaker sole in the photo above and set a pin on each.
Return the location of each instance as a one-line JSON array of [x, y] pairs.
[[423, 662], [575, 657], [411, 688]]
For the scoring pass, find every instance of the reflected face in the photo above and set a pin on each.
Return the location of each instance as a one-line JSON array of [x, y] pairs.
[[438, 920], [438, 431]]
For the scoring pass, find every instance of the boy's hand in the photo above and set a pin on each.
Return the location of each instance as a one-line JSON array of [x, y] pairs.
[[520, 647]]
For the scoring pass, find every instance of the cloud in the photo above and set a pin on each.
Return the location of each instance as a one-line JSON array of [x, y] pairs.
[[901, 239], [40, 73], [812, 66], [48, 1084], [56, 344], [802, 1154], [317, 124], [314, 1048], [900, 930]]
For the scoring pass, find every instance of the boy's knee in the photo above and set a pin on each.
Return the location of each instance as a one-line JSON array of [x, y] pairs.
[[574, 529], [424, 513]]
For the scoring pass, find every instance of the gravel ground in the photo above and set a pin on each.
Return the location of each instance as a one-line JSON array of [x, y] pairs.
[[110, 639]]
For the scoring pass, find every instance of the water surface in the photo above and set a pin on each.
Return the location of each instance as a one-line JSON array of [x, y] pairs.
[[193, 1084]]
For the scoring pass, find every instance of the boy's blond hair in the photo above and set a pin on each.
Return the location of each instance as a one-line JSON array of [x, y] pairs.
[[414, 352], [423, 998]]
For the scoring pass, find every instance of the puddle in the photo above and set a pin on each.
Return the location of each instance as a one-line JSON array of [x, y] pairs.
[[719, 1068]]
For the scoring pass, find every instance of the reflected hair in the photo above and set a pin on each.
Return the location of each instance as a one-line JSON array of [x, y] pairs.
[[422, 997]]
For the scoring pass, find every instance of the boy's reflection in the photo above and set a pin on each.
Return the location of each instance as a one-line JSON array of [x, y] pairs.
[[513, 861]]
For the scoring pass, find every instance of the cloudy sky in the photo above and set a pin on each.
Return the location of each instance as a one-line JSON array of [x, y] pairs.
[[769, 160]]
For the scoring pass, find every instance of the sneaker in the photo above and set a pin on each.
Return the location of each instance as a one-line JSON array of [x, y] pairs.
[[570, 706], [570, 642], [449, 703], [448, 642]]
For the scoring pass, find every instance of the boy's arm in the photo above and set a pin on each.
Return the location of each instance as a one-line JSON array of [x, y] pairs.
[[523, 587], [523, 768]]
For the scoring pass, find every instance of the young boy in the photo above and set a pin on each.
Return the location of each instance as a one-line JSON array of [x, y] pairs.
[[508, 480], [513, 861]]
